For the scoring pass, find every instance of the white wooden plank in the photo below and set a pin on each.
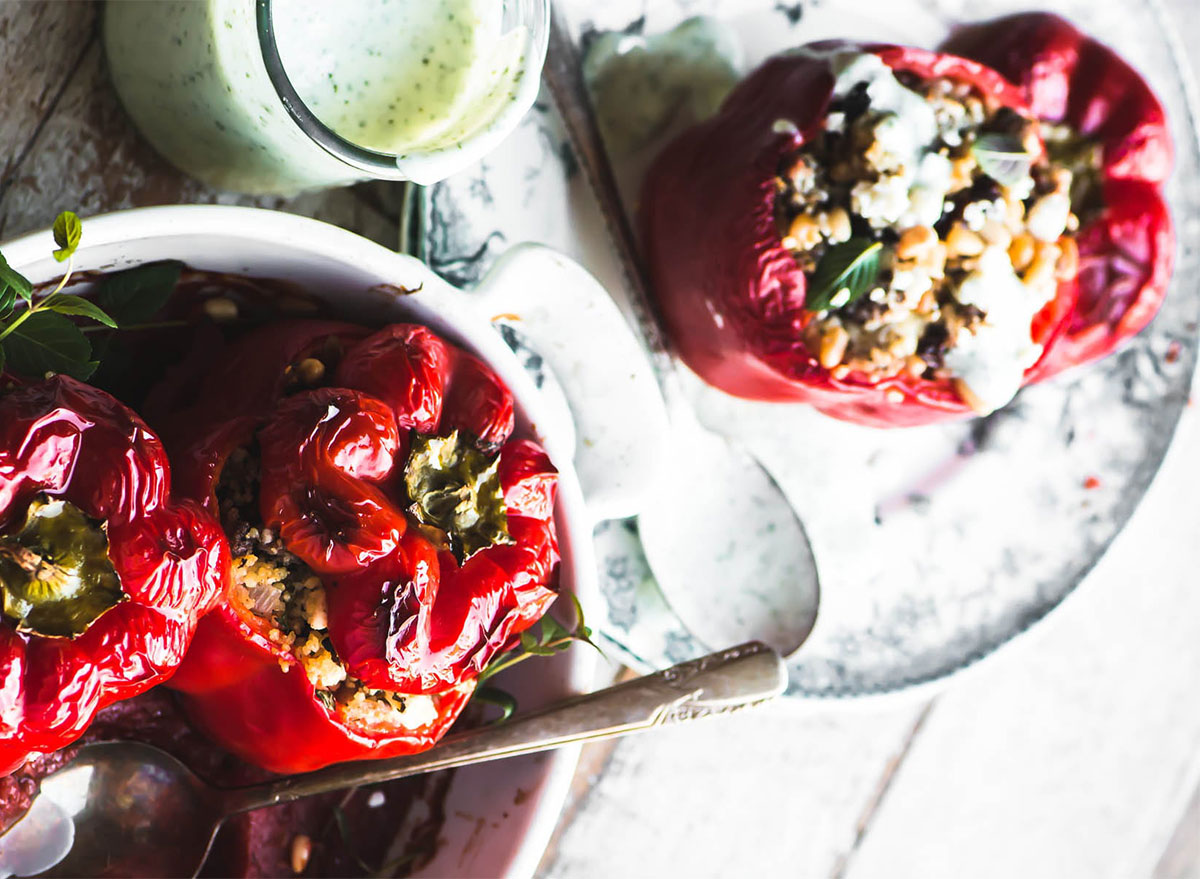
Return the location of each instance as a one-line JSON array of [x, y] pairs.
[[88, 157], [767, 793], [1072, 754]]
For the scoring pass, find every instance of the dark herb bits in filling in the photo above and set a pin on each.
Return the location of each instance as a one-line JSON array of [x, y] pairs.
[[931, 228]]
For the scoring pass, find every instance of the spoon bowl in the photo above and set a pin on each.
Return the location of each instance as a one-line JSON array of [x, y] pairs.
[[125, 799], [726, 547]]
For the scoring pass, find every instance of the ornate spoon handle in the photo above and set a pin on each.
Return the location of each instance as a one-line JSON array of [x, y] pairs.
[[715, 684]]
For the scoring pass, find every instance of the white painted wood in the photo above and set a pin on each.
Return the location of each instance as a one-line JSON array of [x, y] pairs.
[[1074, 754], [759, 794]]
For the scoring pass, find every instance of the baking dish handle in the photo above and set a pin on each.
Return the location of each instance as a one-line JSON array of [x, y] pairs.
[[572, 323]]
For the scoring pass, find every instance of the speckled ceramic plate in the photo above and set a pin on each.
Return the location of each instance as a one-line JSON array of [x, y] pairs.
[[935, 545]]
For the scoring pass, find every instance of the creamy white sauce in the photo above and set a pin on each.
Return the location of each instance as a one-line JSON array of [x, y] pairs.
[[913, 192], [642, 86], [396, 75], [992, 360], [191, 74]]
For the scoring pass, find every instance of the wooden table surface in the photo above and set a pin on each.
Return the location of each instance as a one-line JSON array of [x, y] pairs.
[[1074, 753]]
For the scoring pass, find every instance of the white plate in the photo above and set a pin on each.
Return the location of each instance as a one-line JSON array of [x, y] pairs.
[[935, 545]]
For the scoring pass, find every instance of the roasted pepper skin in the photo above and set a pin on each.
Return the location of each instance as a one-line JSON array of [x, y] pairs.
[[1127, 247], [404, 614], [69, 441], [731, 294]]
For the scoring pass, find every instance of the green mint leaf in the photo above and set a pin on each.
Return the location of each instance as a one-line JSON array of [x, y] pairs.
[[136, 295], [48, 342], [10, 277], [1002, 157], [67, 231], [502, 699], [83, 308], [851, 266], [8, 300]]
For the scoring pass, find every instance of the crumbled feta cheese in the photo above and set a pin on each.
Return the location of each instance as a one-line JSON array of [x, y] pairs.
[[1047, 218], [881, 203], [418, 711], [927, 196], [992, 360]]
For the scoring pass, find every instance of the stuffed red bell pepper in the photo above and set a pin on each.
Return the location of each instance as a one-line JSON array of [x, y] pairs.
[[876, 230], [389, 538], [103, 577], [1101, 120]]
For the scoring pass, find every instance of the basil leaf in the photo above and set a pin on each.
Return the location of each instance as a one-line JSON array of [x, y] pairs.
[[135, 295], [10, 277], [852, 266], [456, 487], [49, 342], [83, 308], [67, 232], [1002, 157]]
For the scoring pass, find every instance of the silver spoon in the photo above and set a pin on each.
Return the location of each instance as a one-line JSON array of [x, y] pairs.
[[725, 545], [137, 811]]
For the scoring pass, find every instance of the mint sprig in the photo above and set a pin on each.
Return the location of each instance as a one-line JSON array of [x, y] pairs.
[[37, 337], [1002, 157], [547, 637]]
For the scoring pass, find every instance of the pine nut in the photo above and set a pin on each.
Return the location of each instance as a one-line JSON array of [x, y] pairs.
[[1067, 267], [916, 242], [1021, 251], [311, 370], [804, 231], [833, 346], [839, 226], [963, 242], [996, 234], [301, 853], [221, 309]]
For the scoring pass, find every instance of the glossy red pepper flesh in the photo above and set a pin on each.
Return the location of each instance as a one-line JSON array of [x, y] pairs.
[[404, 614], [1127, 247], [65, 440], [732, 296]]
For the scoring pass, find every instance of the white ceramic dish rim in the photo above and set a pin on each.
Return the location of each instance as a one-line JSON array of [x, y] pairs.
[[162, 232]]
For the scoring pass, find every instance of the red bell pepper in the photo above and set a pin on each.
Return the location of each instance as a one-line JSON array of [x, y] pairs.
[[103, 577], [732, 294], [392, 477], [1126, 243]]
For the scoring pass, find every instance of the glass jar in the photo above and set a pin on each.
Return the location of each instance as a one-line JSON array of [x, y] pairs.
[[282, 96]]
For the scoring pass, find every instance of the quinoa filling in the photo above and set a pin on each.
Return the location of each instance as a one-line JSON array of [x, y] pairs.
[[273, 585], [931, 231]]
